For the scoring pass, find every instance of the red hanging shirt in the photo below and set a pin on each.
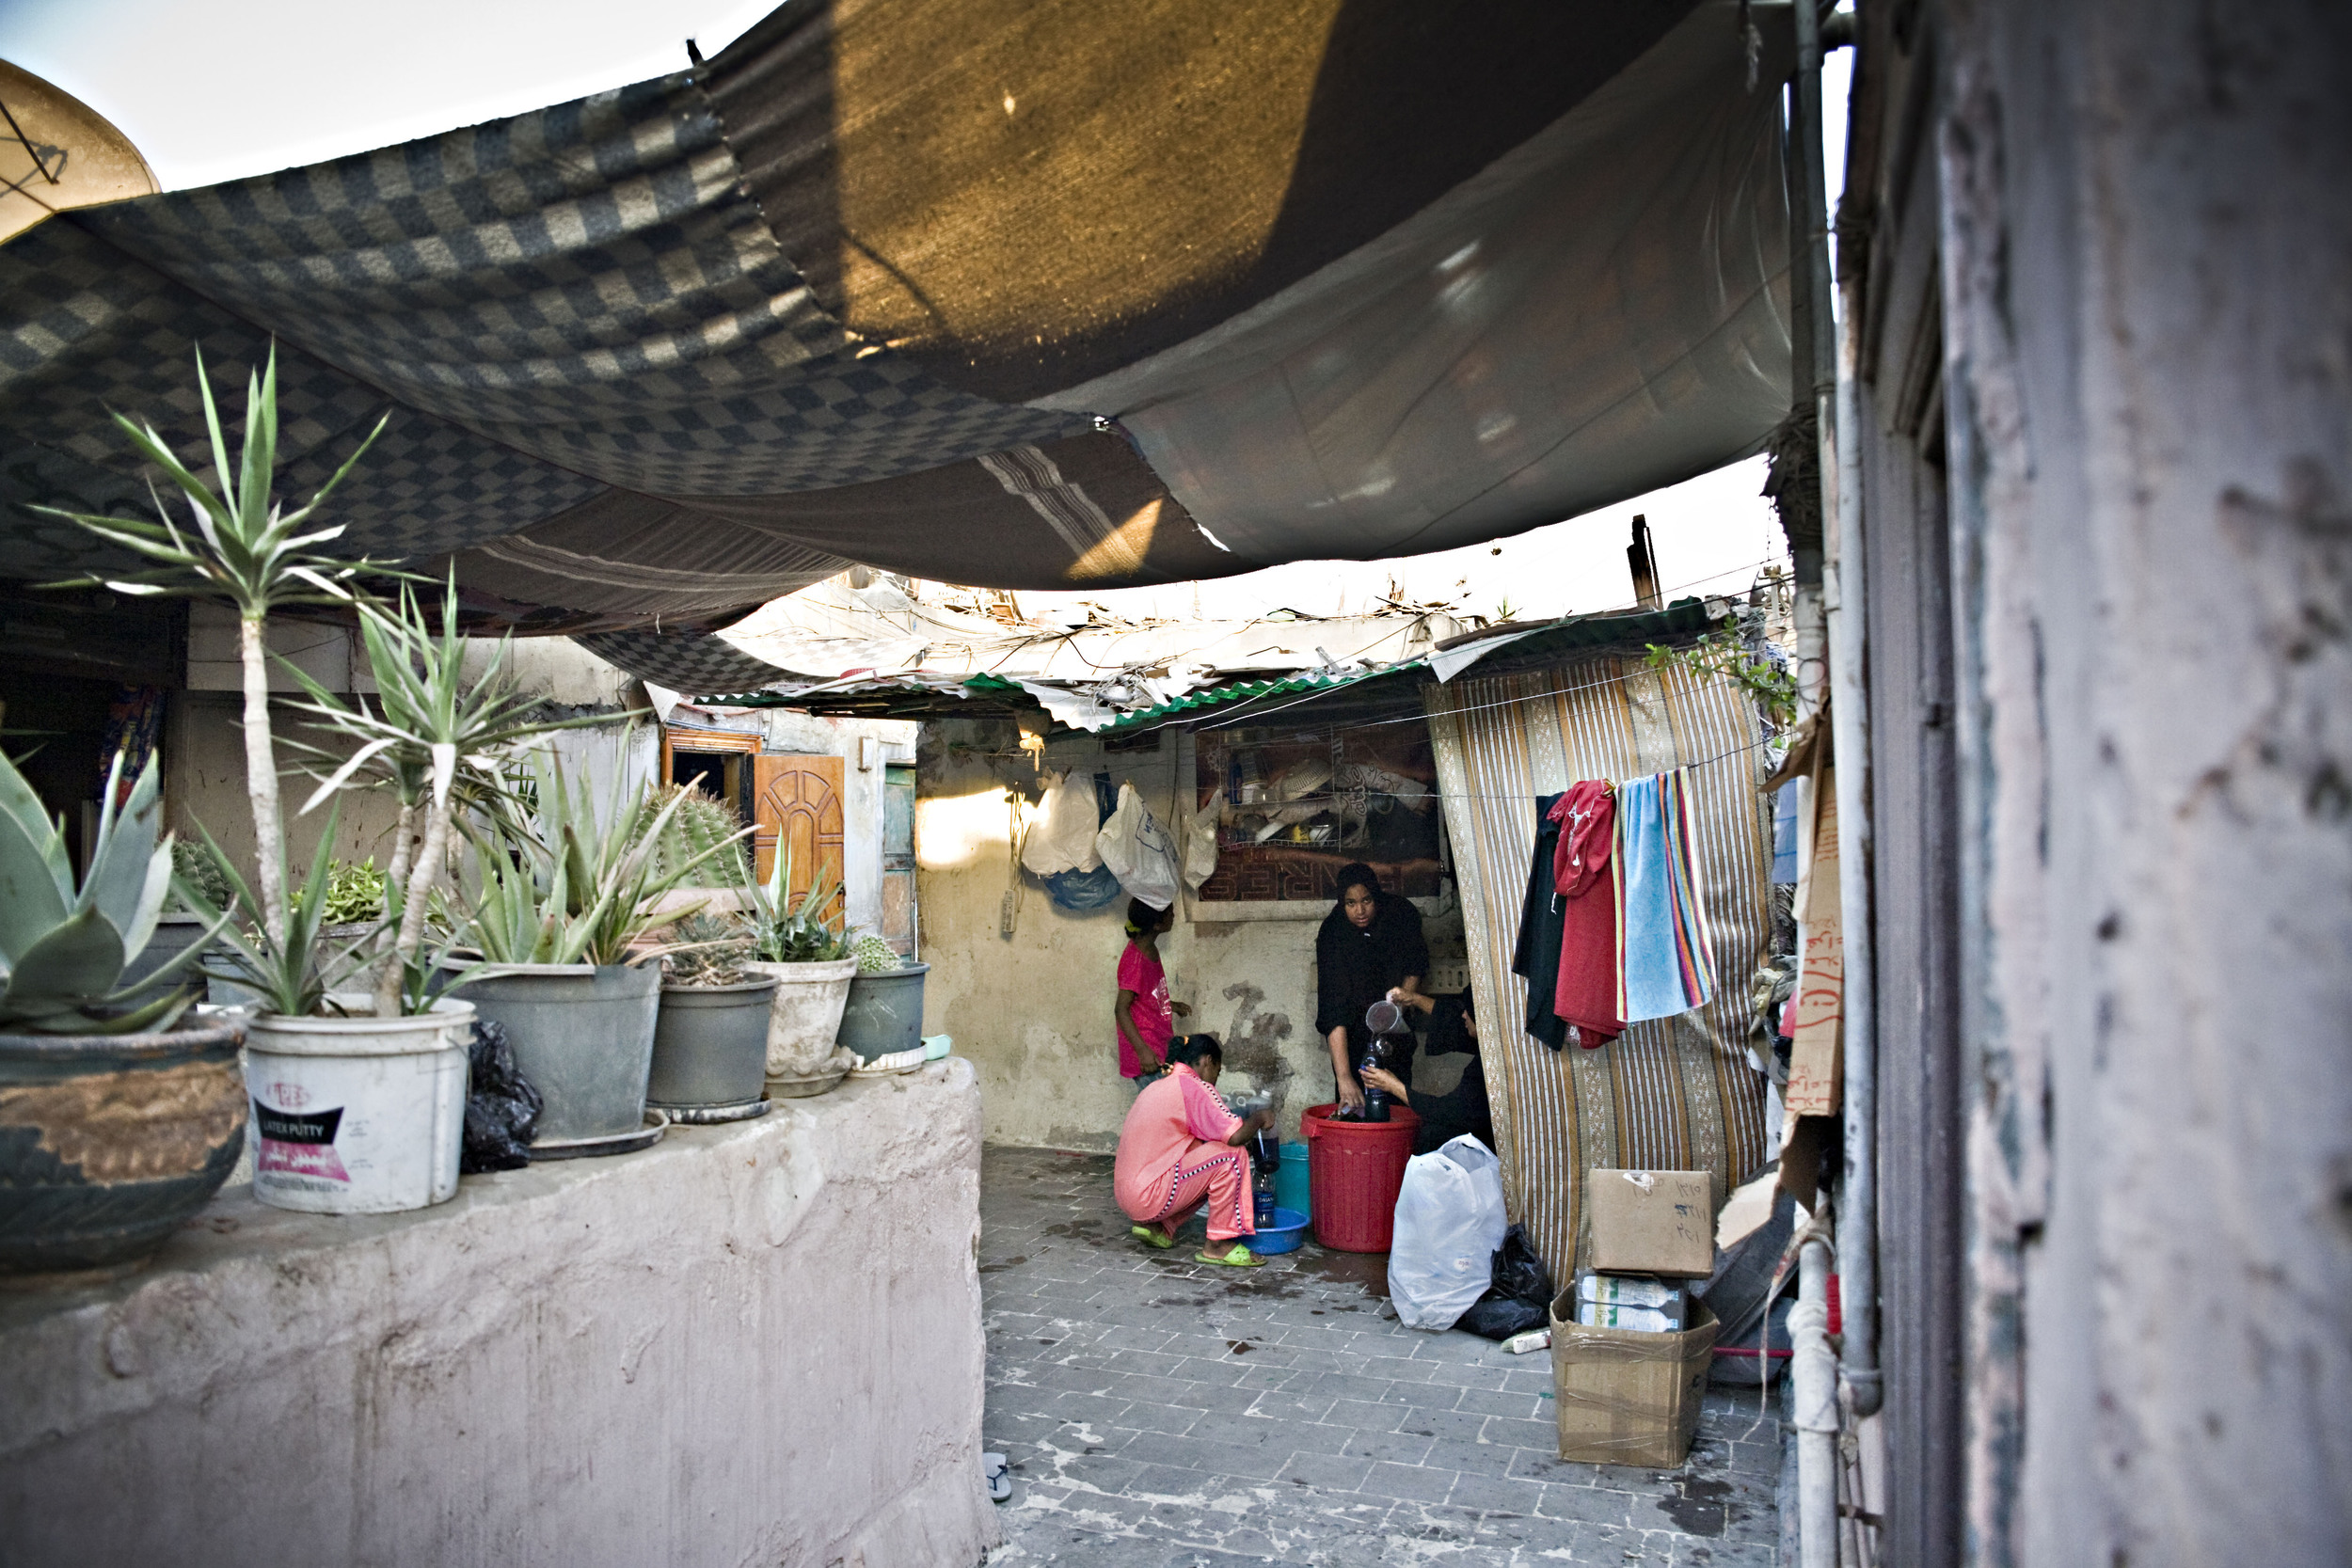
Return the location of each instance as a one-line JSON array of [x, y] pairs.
[[1584, 875]]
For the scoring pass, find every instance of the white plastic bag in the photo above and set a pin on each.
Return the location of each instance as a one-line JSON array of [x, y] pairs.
[[1061, 837], [1200, 844], [1139, 852], [1449, 1222]]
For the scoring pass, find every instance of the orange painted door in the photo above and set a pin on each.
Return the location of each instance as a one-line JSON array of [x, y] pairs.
[[796, 802]]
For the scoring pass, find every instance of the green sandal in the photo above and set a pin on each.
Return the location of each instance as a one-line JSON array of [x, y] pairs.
[[1152, 1235], [1239, 1257]]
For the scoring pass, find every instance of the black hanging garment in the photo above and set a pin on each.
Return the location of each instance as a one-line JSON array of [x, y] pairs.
[[1537, 961]]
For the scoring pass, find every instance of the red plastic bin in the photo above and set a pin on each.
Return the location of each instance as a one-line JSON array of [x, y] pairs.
[[1354, 1169]]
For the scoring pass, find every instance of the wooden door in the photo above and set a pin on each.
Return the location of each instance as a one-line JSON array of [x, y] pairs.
[[796, 802]]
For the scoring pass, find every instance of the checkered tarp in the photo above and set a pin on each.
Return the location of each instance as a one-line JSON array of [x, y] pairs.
[[547, 306], [694, 663]]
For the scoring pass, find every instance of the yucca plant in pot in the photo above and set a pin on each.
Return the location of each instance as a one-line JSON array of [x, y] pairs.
[[358, 1099], [711, 1039], [565, 900], [809, 956], [120, 1114]]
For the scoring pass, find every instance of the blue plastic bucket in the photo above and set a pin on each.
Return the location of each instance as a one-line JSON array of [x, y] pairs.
[[1284, 1235], [1290, 1181]]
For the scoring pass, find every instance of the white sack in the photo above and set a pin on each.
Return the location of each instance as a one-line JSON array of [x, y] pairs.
[[1200, 844], [1139, 852], [1061, 838], [1449, 1222]]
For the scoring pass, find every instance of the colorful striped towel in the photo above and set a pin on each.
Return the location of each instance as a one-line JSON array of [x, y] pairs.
[[1663, 966]]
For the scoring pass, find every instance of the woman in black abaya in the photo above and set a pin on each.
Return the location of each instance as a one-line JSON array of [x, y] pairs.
[[1370, 943]]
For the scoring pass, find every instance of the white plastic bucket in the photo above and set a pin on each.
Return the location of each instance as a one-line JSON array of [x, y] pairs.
[[357, 1116]]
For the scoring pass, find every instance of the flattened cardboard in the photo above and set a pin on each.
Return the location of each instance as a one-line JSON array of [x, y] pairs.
[[1652, 1222], [1628, 1398], [1816, 1045]]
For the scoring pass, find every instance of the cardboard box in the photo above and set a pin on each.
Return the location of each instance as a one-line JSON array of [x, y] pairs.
[[1652, 1222], [1628, 1398]]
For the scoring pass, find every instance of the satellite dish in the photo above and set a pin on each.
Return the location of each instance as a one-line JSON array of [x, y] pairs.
[[57, 152]]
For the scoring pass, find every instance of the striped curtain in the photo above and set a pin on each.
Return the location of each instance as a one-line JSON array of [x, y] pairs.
[[1672, 1094]]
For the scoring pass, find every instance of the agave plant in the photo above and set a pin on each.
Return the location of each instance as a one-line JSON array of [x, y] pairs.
[[790, 933], [578, 888], [246, 550], [432, 728], [64, 947]]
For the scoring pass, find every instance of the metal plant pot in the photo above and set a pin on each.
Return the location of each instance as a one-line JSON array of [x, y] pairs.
[[109, 1142], [885, 1012], [174, 935], [804, 1020], [582, 1035], [711, 1046]]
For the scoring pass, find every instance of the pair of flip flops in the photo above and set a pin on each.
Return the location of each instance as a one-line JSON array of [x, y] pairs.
[[1237, 1257]]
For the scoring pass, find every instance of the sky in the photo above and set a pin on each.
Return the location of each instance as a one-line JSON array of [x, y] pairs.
[[219, 89]]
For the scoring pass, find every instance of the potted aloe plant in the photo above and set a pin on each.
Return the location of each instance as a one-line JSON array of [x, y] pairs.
[[118, 1118], [565, 905], [710, 1038], [810, 959]]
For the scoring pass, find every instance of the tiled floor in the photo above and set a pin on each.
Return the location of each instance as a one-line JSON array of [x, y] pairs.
[[1163, 1414]]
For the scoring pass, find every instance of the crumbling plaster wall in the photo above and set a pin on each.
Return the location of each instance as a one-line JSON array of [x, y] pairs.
[[757, 1343], [1032, 1010], [2148, 266]]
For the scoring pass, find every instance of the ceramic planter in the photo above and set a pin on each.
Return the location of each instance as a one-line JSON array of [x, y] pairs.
[[804, 1020], [582, 1035], [711, 1050], [884, 1014], [357, 1115], [109, 1142]]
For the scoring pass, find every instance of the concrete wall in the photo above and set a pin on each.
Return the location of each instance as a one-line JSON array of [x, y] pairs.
[[751, 1344], [2147, 258], [1033, 1009]]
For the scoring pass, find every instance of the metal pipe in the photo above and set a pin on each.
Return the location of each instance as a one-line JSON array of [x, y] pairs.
[[1846, 589], [1813, 1378]]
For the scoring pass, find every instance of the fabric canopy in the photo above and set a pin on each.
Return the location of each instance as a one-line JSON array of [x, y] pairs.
[[1013, 293]]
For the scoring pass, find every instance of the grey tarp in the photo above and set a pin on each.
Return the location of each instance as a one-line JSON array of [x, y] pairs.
[[1176, 295]]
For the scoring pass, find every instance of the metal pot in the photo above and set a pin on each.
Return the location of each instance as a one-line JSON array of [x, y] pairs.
[[885, 1012], [109, 1142], [582, 1035], [710, 1045]]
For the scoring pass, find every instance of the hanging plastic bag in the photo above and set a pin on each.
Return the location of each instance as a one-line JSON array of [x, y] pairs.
[[1139, 852], [1449, 1222], [1061, 836], [1200, 844]]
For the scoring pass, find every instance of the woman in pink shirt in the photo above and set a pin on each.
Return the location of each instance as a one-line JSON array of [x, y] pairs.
[[1142, 1013], [1181, 1148]]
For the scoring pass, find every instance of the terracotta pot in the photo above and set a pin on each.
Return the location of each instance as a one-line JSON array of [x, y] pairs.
[[109, 1142]]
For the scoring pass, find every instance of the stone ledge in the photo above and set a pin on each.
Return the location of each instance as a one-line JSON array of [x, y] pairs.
[[764, 1335]]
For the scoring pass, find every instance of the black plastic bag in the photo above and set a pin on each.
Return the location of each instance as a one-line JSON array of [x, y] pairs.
[[502, 1107], [1519, 1297]]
